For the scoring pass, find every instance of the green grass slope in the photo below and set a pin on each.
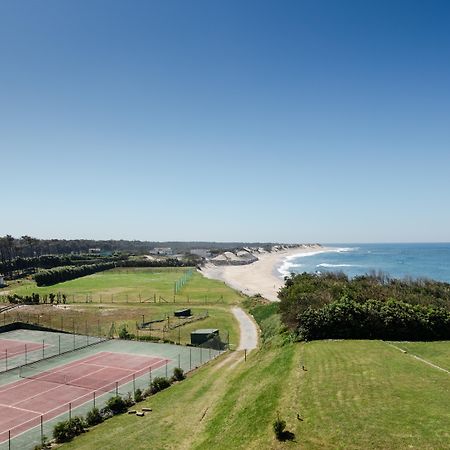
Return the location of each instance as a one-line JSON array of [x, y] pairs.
[[353, 395]]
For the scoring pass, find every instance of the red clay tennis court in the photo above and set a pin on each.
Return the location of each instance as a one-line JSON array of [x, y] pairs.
[[46, 394], [12, 347]]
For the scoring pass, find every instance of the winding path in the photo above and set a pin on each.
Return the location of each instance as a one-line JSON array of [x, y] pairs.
[[248, 330]]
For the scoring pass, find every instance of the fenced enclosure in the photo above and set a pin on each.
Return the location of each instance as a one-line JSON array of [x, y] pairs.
[[35, 396], [157, 324]]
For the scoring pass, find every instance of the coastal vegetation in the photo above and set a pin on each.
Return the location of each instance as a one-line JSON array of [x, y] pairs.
[[368, 307]]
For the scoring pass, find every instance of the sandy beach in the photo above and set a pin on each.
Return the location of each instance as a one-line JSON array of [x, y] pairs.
[[260, 277]]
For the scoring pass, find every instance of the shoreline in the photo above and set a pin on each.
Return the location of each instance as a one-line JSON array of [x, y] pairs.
[[262, 277]]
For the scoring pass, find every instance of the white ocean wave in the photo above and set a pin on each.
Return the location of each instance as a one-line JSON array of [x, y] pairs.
[[346, 249], [285, 268], [335, 265], [287, 265]]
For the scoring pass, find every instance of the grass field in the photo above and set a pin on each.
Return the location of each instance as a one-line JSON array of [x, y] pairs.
[[437, 352], [353, 395], [97, 319], [135, 285]]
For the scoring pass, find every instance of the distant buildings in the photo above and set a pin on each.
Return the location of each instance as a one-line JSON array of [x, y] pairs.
[[161, 251]]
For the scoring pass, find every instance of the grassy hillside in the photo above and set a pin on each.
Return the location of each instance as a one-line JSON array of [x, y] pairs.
[[353, 395]]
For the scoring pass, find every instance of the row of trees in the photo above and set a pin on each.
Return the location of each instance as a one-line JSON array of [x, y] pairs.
[[334, 306], [65, 273], [27, 246], [23, 265]]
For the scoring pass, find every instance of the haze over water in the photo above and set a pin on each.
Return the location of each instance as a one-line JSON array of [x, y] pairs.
[[397, 260]]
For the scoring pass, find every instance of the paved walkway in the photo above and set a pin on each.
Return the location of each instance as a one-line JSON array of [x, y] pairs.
[[248, 330]]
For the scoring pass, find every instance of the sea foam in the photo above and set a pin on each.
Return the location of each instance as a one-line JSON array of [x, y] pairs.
[[285, 268]]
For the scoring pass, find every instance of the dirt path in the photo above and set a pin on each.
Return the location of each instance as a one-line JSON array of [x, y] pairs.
[[248, 330]]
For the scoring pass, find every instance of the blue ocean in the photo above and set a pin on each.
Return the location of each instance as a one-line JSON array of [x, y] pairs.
[[430, 261]]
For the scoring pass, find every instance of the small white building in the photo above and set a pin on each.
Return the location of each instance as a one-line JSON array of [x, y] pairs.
[[162, 251], [2, 281]]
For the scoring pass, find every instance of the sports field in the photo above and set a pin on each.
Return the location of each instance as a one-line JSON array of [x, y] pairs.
[[71, 383], [130, 285]]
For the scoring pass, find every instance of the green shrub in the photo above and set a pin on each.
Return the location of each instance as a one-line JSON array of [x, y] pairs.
[[279, 426], [128, 400], [116, 405], [66, 430], [44, 445], [159, 384], [93, 417], [178, 374], [123, 332], [138, 396]]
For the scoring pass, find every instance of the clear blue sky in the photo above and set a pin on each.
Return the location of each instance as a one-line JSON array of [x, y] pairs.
[[290, 121]]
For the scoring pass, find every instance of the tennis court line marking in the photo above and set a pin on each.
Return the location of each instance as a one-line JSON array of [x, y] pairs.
[[23, 383], [62, 405], [20, 409], [419, 358], [57, 385], [121, 368], [20, 346]]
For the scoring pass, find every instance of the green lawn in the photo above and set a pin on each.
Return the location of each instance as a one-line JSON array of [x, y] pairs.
[[91, 318], [136, 285], [352, 395], [436, 352]]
